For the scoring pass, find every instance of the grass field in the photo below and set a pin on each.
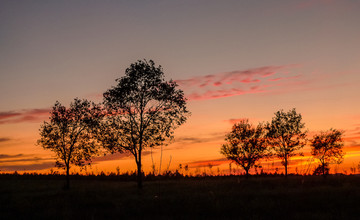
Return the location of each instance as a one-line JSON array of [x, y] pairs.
[[297, 197]]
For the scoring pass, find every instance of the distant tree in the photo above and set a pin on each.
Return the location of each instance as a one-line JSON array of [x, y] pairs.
[[286, 135], [246, 144], [68, 134], [322, 169], [143, 111], [327, 148]]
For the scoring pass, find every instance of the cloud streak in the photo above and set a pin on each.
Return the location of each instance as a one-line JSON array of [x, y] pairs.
[[39, 166], [234, 83], [244, 76], [6, 156], [28, 115], [184, 140], [4, 139], [207, 163], [19, 162]]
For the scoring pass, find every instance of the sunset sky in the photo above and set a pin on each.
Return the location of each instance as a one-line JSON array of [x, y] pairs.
[[233, 59]]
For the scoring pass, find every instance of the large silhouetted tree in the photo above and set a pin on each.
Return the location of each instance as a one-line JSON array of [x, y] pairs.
[[68, 134], [286, 135], [143, 111], [327, 148], [245, 145]]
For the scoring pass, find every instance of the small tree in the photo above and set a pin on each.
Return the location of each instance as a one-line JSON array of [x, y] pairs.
[[143, 111], [322, 169], [68, 134], [327, 148], [286, 135], [245, 145]]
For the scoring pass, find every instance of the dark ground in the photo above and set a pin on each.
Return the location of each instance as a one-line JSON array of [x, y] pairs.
[[297, 197]]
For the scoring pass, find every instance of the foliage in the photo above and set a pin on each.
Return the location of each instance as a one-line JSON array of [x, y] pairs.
[[322, 169], [327, 148], [286, 135], [68, 134], [143, 111], [245, 145]]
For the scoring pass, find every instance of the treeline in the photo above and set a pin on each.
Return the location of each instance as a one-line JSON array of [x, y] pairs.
[[132, 175], [143, 110], [282, 138]]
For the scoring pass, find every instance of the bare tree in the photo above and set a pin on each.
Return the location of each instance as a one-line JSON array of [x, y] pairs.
[[327, 147], [69, 136], [245, 145], [143, 111], [286, 135]]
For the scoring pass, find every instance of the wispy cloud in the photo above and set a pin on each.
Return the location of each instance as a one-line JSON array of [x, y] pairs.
[[222, 93], [207, 163], [244, 76], [22, 167], [11, 158], [6, 156], [8, 114], [200, 138], [18, 162], [4, 139], [28, 115], [283, 78], [238, 82]]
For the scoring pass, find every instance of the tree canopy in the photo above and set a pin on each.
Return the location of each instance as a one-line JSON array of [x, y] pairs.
[[143, 110], [246, 144], [286, 135], [327, 147], [68, 134]]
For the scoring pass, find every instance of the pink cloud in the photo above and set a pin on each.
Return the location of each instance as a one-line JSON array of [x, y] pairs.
[[215, 94], [250, 80], [275, 79], [246, 76], [10, 114], [234, 83], [29, 115], [217, 84], [237, 82]]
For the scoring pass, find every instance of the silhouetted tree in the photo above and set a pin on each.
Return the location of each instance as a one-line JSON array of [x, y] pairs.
[[245, 145], [286, 135], [322, 169], [68, 134], [327, 148], [143, 111]]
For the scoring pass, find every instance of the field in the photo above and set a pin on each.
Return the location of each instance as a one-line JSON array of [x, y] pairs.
[[297, 197]]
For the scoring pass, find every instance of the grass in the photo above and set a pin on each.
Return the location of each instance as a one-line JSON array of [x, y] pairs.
[[297, 197]]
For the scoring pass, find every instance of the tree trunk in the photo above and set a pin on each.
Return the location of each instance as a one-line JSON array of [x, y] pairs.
[[247, 173], [139, 173], [285, 164], [67, 184], [323, 170]]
